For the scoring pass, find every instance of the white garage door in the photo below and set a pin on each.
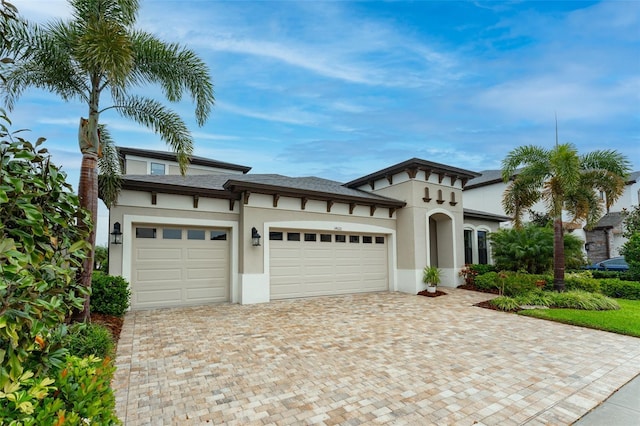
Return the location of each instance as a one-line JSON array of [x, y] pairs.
[[308, 263], [179, 266]]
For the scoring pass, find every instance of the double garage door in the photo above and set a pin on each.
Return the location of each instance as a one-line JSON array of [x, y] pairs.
[[319, 263], [179, 266]]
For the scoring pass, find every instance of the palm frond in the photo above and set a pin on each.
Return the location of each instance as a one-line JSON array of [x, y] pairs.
[[109, 180], [528, 154], [176, 69], [122, 11], [163, 121]]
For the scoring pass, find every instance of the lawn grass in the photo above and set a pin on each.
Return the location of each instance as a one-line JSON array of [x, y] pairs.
[[626, 320]]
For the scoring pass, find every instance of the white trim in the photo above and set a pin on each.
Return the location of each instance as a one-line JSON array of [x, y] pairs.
[[335, 227], [127, 243]]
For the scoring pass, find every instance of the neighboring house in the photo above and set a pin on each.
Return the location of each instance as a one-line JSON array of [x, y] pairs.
[[193, 239], [605, 240], [602, 242]]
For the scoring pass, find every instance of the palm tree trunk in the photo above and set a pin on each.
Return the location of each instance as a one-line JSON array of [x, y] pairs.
[[88, 194], [558, 255]]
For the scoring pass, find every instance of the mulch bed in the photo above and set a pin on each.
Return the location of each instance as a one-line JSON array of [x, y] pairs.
[[427, 294], [114, 324]]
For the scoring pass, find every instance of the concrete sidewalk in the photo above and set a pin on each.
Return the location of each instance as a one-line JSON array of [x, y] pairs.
[[620, 409]]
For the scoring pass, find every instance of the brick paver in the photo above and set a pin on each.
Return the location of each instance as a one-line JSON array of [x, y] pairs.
[[383, 358]]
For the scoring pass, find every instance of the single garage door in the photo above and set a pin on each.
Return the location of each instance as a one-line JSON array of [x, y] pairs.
[[307, 263], [179, 266]]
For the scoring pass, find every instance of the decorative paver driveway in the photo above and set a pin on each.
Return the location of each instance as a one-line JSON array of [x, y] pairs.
[[386, 358]]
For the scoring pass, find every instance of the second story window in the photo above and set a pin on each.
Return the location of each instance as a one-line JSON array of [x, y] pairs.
[[157, 169]]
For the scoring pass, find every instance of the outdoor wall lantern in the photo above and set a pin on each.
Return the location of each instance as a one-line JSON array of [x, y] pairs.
[[255, 237], [587, 246], [116, 234]]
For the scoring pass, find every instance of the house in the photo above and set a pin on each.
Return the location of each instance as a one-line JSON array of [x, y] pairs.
[[602, 242], [222, 234], [605, 239]]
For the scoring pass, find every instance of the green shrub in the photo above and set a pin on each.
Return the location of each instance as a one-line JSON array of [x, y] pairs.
[[110, 294], [530, 249], [620, 289], [581, 281], [90, 339], [625, 276], [578, 299], [631, 252], [537, 298], [41, 252], [487, 282], [505, 303], [481, 268], [515, 283], [78, 393]]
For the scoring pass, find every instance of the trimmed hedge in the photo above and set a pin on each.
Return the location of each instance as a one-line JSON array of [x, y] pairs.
[[90, 339], [620, 289], [110, 294], [515, 283]]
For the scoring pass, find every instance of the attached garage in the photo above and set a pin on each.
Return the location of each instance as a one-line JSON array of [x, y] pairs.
[[178, 266], [308, 263]]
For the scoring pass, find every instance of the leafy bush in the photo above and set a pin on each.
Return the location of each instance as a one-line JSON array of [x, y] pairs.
[[79, 393], [620, 289], [511, 283], [110, 294], [90, 339], [581, 281], [530, 249], [41, 251], [487, 282], [631, 252], [505, 303], [578, 299]]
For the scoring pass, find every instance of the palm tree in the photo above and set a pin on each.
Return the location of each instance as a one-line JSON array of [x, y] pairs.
[[98, 50], [564, 181]]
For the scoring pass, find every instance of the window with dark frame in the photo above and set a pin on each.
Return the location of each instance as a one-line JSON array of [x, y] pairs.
[[354, 238], [171, 234], [341, 238], [145, 232], [276, 236], [293, 236], [325, 238], [195, 234], [483, 257], [379, 240], [366, 239], [468, 246], [219, 235], [310, 237]]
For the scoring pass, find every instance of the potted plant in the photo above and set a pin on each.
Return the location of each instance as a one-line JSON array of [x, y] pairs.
[[431, 276]]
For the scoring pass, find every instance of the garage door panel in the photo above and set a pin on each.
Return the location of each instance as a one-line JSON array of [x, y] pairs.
[[177, 272], [157, 296], [314, 268], [153, 275], [156, 254]]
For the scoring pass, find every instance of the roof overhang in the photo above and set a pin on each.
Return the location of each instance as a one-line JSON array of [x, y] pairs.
[[239, 186], [412, 166]]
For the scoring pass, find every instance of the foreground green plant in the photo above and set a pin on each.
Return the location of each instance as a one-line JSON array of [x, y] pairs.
[[40, 256], [575, 299], [79, 393], [625, 320], [90, 339]]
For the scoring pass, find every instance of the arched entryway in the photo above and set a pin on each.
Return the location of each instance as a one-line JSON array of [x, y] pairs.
[[441, 242]]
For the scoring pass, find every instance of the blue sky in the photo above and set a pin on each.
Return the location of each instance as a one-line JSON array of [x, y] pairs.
[[341, 89]]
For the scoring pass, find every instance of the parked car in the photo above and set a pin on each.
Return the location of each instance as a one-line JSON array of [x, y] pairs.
[[613, 264]]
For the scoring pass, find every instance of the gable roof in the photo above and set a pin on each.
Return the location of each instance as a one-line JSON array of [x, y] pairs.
[[413, 165], [170, 156], [610, 220]]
